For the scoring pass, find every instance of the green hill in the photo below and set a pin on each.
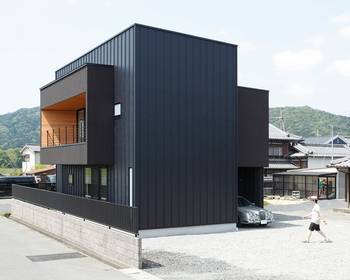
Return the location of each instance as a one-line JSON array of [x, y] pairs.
[[22, 127], [19, 128], [307, 122]]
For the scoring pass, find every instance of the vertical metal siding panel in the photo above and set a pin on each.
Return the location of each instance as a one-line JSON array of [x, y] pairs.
[[182, 119], [184, 110], [202, 181]]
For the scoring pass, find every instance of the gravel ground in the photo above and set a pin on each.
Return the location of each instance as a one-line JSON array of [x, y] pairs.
[[273, 252]]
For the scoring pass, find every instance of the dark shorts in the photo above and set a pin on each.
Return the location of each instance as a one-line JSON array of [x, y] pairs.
[[314, 226]]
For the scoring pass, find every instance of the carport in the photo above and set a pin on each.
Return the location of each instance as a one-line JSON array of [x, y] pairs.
[[250, 184], [318, 182]]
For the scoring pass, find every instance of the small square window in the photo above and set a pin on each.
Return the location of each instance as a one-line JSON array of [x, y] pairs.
[[117, 109], [70, 179]]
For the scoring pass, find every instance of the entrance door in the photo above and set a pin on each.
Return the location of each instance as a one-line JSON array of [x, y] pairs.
[[327, 187], [81, 125]]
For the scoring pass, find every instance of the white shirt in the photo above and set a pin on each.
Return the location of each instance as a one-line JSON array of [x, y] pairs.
[[316, 214]]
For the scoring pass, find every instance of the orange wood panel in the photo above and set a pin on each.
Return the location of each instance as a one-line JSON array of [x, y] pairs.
[[74, 103], [60, 125]]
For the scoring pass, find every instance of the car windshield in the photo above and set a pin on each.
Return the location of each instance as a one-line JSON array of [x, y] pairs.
[[244, 202]]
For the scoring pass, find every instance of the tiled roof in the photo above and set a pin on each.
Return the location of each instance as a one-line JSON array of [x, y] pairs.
[[342, 162], [281, 166], [325, 139], [323, 150], [34, 148], [279, 134]]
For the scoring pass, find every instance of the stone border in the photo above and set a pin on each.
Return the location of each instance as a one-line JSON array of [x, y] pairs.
[[116, 247]]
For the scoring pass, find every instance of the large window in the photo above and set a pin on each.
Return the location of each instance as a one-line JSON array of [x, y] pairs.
[[96, 182], [275, 151]]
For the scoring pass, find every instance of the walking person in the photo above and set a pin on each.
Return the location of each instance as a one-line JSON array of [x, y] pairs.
[[315, 216]]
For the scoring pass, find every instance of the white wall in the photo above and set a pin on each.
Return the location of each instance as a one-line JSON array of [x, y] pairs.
[[28, 165], [341, 185], [318, 162], [34, 158]]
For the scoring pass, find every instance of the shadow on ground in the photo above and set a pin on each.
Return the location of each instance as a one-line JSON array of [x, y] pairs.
[[169, 265]]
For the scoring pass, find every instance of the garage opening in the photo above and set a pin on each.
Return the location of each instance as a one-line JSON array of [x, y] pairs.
[[250, 184]]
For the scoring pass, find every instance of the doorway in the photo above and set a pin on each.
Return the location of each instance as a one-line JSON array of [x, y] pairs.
[[81, 125], [326, 187]]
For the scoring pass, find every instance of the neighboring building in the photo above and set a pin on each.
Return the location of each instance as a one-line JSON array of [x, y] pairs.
[[154, 120], [31, 157], [343, 165], [320, 155], [326, 140], [281, 145], [325, 183]]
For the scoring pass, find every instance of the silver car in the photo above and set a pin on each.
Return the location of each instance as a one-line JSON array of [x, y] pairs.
[[250, 214]]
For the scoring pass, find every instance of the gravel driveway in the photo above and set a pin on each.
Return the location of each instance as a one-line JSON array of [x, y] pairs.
[[273, 252]]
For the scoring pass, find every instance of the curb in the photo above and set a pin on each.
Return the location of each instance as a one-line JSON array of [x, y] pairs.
[[138, 274]]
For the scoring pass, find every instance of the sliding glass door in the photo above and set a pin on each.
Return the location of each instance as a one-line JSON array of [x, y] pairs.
[[96, 182]]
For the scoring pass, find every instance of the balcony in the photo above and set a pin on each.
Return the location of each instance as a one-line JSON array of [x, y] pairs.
[[64, 135], [75, 111]]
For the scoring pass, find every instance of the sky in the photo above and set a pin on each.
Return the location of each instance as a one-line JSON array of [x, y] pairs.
[[299, 50]]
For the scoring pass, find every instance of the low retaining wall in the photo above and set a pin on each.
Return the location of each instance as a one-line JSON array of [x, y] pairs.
[[108, 244]]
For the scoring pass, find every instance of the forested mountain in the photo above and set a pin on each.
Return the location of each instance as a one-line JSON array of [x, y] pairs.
[[22, 127], [307, 122], [19, 128]]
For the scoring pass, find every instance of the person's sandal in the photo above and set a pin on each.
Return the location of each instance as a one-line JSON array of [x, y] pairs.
[[327, 241]]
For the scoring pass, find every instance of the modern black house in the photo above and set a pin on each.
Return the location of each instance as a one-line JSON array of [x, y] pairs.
[[153, 119]]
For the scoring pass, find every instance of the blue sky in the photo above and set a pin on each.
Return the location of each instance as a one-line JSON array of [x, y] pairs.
[[299, 50]]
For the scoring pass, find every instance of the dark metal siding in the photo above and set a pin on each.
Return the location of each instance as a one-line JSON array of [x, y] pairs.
[[118, 51], [253, 127], [99, 119], [78, 179], [78, 187], [186, 90]]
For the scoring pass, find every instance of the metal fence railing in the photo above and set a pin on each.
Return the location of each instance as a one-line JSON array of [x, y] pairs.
[[62, 135], [114, 215]]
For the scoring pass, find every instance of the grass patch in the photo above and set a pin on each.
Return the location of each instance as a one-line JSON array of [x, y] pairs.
[[10, 171]]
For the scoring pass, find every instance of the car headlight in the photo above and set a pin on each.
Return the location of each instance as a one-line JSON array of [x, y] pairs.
[[269, 215]]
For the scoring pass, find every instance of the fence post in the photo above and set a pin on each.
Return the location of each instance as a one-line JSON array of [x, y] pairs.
[[53, 137]]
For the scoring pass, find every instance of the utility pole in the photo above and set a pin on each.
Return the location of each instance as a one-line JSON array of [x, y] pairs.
[[332, 143], [283, 127]]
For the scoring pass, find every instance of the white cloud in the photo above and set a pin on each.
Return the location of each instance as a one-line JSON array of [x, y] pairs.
[[342, 18], [299, 90], [342, 67], [316, 40], [246, 46], [344, 32], [297, 61]]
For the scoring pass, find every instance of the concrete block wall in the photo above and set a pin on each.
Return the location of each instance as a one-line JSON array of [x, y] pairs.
[[117, 247]]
